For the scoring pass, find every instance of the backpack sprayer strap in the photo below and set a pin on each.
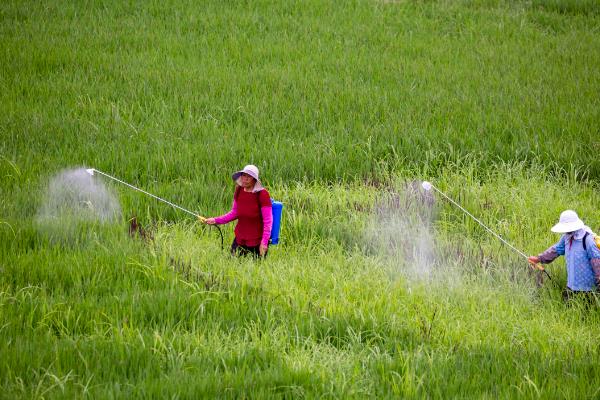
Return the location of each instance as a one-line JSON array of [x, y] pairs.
[[595, 239]]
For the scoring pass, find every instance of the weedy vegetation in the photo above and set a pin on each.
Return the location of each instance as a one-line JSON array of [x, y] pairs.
[[376, 291]]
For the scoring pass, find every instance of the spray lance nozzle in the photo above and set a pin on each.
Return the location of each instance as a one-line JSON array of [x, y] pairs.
[[90, 171]]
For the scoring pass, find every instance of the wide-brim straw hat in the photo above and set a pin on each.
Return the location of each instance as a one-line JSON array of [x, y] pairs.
[[568, 222], [251, 170]]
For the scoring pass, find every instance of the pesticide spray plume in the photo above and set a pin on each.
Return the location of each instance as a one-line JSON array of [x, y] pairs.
[[75, 207], [400, 233], [428, 186]]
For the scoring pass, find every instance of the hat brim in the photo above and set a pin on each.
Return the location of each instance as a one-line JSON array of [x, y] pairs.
[[236, 175], [257, 186], [567, 227]]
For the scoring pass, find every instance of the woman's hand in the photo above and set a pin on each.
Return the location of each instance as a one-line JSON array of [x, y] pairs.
[[533, 260], [262, 249], [209, 221]]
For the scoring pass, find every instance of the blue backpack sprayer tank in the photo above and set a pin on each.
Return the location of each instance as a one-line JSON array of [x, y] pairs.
[[277, 208]]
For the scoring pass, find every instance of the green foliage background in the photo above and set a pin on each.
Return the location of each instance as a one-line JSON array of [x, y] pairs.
[[338, 103]]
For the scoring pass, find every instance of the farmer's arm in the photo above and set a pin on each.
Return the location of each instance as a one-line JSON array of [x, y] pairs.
[[551, 254], [267, 217], [596, 267], [225, 218], [593, 254]]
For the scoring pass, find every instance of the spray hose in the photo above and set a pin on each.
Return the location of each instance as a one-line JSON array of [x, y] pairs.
[[428, 186], [91, 171]]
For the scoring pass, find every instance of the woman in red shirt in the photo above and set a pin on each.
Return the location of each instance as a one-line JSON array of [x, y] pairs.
[[252, 208]]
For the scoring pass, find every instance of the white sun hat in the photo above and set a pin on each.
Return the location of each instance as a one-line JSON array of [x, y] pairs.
[[568, 222], [251, 170]]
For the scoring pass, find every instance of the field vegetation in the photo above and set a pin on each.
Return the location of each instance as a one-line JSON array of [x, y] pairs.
[[377, 290]]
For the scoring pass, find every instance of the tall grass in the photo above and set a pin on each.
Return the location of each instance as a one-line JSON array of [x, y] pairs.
[[115, 317], [343, 106], [174, 94]]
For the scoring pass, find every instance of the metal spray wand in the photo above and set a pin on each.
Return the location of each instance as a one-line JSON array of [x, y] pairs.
[[428, 186], [92, 171]]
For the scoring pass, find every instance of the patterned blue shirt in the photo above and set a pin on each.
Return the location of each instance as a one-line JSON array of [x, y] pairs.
[[580, 275]]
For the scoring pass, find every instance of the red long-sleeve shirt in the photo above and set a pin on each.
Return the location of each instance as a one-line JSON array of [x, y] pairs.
[[255, 218]]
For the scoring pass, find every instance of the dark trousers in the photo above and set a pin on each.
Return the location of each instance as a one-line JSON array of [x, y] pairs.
[[242, 250], [587, 298]]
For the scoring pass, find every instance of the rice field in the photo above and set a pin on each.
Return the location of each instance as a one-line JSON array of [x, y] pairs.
[[377, 289]]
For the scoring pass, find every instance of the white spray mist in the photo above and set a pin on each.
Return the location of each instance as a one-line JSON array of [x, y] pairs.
[[74, 198], [401, 231]]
